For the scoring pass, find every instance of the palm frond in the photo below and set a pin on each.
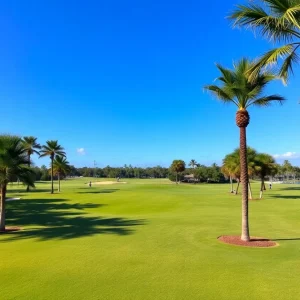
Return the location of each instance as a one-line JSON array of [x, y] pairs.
[[266, 100], [287, 66], [270, 58], [220, 94]]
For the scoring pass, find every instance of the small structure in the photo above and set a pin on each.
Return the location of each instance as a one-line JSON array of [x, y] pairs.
[[189, 178]]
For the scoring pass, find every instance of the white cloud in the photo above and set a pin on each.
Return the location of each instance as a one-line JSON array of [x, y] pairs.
[[287, 155], [81, 151]]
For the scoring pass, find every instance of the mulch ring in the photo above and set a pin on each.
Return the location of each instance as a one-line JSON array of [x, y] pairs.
[[9, 230], [257, 242]]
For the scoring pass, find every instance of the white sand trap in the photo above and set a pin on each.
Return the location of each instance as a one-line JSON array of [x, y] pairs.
[[107, 182], [12, 199]]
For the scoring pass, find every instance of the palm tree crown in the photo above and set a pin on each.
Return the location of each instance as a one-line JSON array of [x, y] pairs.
[[193, 163], [237, 87], [30, 144], [51, 149], [279, 21]]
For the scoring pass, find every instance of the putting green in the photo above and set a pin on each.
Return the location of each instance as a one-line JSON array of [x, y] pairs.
[[148, 239]]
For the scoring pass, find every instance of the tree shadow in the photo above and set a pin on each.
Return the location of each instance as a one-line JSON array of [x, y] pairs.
[[288, 197], [105, 191], [46, 219], [292, 188]]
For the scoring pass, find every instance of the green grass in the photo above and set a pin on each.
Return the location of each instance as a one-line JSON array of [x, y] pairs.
[[148, 239]]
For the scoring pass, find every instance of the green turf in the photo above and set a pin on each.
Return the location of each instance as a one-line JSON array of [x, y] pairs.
[[148, 239]]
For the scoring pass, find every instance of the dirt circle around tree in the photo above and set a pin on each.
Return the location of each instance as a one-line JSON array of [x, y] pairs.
[[256, 242], [10, 230]]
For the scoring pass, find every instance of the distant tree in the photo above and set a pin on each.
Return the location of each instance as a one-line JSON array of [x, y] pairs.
[[51, 149], [31, 146], [265, 165], [177, 166], [231, 168], [13, 164], [60, 168], [193, 163], [45, 174], [287, 169]]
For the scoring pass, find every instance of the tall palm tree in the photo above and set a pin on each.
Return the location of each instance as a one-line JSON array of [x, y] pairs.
[[31, 146], [13, 164], [60, 167], [279, 21], [237, 88], [193, 163], [265, 165], [51, 149]]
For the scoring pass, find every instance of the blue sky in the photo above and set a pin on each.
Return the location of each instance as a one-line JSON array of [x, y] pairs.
[[121, 82]]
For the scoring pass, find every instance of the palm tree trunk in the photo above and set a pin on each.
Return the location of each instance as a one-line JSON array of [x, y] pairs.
[[261, 188], [244, 179], [250, 191], [231, 184], [237, 187], [58, 181], [27, 189], [52, 188], [2, 208], [176, 177]]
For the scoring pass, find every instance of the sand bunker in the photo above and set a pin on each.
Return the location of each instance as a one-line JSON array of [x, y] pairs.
[[12, 199], [107, 182]]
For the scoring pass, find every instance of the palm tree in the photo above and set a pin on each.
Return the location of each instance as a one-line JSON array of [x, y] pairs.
[[13, 164], [231, 168], [31, 146], [177, 166], [51, 149], [193, 163], [237, 88], [279, 21], [287, 169], [60, 167], [265, 165]]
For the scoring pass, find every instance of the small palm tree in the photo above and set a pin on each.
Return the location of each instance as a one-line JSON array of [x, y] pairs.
[[265, 165], [60, 167], [279, 21], [193, 163], [231, 168], [177, 166], [237, 88], [51, 149], [13, 164], [31, 146]]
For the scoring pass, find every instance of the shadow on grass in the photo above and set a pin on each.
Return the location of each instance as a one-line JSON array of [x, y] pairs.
[[288, 197], [104, 191], [292, 188], [57, 219]]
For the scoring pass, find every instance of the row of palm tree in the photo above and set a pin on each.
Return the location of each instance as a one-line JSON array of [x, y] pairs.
[[59, 165], [279, 21], [259, 164], [15, 163]]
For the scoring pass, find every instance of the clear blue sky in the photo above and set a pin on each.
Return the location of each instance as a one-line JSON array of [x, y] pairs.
[[123, 81]]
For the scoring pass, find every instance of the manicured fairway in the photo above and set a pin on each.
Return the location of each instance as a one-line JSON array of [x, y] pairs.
[[148, 239]]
